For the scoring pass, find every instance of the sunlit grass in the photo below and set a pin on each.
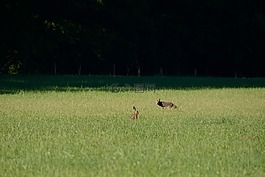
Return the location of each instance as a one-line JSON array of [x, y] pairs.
[[214, 132]]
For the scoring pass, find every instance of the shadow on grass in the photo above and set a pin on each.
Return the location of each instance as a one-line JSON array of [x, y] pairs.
[[10, 84]]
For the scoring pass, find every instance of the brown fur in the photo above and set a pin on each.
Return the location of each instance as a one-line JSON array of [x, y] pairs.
[[166, 104], [135, 114]]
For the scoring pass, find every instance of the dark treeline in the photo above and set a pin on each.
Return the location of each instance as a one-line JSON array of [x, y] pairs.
[[180, 37]]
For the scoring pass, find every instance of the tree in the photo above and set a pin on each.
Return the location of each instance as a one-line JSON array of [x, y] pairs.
[[216, 37]]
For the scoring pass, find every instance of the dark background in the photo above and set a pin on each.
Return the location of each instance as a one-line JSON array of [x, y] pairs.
[[171, 37]]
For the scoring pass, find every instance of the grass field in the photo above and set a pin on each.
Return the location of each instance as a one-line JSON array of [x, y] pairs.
[[70, 127]]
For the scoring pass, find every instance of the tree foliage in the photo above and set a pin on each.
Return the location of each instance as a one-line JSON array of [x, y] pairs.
[[215, 37]]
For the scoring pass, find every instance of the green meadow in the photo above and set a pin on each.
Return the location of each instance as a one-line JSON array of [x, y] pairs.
[[81, 126]]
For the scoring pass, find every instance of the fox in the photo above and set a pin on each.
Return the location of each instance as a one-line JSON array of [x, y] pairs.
[[135, 113], [166, 104]]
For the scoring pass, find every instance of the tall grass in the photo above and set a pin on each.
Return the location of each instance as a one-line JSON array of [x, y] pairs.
[[214, 132], [16, 83]]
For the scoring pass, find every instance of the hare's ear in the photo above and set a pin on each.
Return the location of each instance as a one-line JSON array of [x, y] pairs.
[[134, 108]]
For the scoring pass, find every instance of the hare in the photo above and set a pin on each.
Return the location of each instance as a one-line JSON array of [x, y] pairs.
[[166, 104], [135, 113]]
